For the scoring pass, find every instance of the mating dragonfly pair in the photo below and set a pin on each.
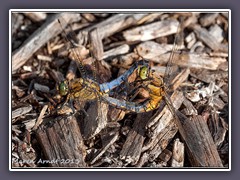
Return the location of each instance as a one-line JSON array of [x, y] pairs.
[[87, 89]]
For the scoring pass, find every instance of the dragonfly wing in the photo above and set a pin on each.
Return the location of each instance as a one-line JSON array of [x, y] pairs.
[[75, 48], [178, 41]]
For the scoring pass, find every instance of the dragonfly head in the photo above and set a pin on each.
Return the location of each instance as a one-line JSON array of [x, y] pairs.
[[63, 88], [143, 72]]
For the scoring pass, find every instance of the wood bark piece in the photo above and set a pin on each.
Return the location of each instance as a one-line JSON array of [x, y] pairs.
[[95, 120], [123, 49], [151, 49], [132, 147], [225, 14], [192, 60], [155, 146], [180, 78], [150, 17], [200, 145], [40, 117], [21, 111], [107, 140], [125, 60], [36, 16], [160, 53], [40, 87], [208, 39], [208, 77], [218, 54], [44, 58], [111, 25], [218, 128], [151, 31], [190, 109], [217, 32], [48, 30], [62, 143], [178, 154], [161, 120], [116, 114], [191, 40], [208, 19], [165, 156], [198, 47], [17, 20], [96, 44]]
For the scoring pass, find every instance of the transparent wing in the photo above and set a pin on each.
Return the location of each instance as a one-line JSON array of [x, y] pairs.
[[96, 50], [178, 41], [71, 37]]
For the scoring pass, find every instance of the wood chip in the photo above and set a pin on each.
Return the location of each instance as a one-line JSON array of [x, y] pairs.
[[108, 140], [96, 44], [156, 145], [17, 20], [208, 39], [62, 143], [131, 150], [151, 31], [36, 16], [190, 39], [192, 60], [190, 109], [72, 70], [202, 150], [40, 118], [217, 32], [21, 111], [208, 19], [111, 25], [47, 31], [123, 49], [178, 154], [151, 50], [165, 156], [42, 88], [161, 120], [180, 78], [95, 120], [44, 58]]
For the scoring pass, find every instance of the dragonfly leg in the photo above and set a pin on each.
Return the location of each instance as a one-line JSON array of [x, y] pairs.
[[66, 107], [60, 107], [137, 85], [86, 114], [71, 106]]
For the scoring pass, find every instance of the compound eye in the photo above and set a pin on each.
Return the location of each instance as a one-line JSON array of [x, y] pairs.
[[143, 72], [63, 88]]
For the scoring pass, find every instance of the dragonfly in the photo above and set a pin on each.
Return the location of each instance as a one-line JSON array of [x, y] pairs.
[[156, 85]]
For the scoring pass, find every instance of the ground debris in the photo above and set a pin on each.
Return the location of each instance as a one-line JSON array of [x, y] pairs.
[[98, 134]]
